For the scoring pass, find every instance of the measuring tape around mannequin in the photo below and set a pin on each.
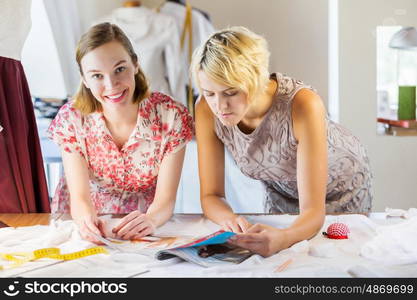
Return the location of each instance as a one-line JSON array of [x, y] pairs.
[[188, 28], [19, 258]]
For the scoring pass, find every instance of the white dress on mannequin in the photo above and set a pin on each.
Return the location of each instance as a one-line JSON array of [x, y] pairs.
[[202, 29], [15, 23]]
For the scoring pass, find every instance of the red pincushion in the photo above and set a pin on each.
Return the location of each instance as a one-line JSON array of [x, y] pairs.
[[337, 231]]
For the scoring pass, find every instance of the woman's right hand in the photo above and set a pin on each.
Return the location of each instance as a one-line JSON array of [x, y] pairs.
[[81, 207], [89, 224], [236, 224]]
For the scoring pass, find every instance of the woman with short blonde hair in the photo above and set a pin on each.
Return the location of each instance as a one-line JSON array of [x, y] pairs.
[[236, 56], [277, 130]]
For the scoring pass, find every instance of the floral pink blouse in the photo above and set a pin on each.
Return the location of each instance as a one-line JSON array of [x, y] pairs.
[[122, 180]]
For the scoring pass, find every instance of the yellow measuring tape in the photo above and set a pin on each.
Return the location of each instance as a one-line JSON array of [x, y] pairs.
[[19, 258]]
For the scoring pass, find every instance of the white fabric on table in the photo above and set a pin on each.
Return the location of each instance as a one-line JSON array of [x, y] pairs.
[[397, 212], [337, 258], [375, 270], [65, 236], [394, 244]]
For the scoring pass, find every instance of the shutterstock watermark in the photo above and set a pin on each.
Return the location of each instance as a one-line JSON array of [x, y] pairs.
[[62, 288]]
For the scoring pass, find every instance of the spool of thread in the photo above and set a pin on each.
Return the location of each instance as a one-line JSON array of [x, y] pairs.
[[406, 103]]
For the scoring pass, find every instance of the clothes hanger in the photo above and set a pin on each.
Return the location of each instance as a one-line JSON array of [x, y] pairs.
[[132, 4], [182, 2], [158, 8]]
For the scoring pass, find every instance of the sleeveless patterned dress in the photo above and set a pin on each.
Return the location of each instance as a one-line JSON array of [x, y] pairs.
[[269, 154]]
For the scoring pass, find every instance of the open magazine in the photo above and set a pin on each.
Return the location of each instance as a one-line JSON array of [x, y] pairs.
[[210, 250], [206, 251]]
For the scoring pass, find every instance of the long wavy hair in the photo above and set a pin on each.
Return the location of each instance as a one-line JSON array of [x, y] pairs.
[[96, 36]]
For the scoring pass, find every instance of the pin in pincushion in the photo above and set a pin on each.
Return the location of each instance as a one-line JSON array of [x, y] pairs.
[[337, 231]]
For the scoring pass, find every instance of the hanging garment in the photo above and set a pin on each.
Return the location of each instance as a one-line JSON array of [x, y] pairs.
[[156, 40], [64, 20], [202, 28], [23, 186], [183, 3]]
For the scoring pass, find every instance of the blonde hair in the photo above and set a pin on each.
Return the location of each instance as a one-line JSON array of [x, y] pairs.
[[236, 57], [95, 37]]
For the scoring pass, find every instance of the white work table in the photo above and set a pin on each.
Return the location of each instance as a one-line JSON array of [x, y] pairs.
[[345, 255]]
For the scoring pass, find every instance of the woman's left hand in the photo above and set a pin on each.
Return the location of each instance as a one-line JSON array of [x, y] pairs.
[[134, 225], [261, 239]]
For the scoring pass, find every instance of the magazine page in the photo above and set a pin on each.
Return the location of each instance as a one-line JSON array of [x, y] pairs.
[[218, 237], [208, 251], [148, 245]]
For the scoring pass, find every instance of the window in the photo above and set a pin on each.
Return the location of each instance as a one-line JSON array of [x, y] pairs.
[[395, 67]]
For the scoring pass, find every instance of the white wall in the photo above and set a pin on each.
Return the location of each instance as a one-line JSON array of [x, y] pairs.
[[393, 159]]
